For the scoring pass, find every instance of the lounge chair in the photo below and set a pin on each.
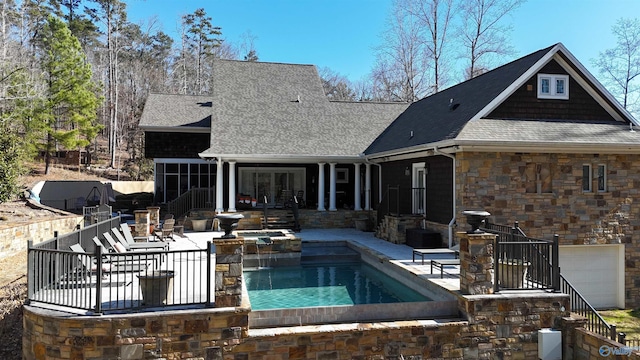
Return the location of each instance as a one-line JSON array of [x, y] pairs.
[[111, 264], [125, 234], [122, 245]]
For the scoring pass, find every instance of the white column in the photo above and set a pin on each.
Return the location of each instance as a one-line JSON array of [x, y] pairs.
[[356, 188], [219, 187], [332, 187], [232, 186], [367, 186], [321, 187]]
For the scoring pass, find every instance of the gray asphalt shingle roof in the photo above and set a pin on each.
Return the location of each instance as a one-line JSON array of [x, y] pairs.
[[257, 112], [433, 119], [181, 111], [550, 131]]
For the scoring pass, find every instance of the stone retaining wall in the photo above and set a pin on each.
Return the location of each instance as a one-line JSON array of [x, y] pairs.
[[14, 237]]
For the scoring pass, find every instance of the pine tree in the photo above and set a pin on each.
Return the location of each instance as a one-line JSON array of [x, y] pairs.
[[69, 112]]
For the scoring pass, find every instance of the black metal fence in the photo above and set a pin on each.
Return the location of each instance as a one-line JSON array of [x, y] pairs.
[[96, 282], [524, 263], [540, 258], [81, 236]]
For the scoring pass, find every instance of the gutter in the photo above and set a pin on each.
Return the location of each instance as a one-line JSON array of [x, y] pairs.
[[452, 223]]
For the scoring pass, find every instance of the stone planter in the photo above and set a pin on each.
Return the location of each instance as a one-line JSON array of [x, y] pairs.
[[156, 287], [512, 273], [199, 224]]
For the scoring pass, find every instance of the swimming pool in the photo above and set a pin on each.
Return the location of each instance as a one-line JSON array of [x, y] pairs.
[[324, 285]]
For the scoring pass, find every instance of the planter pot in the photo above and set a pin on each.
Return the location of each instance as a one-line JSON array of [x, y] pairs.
[[512, 273], [199, 224], [156, 287]]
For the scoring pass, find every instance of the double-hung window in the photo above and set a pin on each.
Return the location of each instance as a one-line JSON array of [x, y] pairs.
[[553, 86]]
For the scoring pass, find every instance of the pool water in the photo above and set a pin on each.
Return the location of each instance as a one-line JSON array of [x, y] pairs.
[[324, 285]]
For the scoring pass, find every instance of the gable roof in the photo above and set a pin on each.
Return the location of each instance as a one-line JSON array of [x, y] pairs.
[[184, 113], [271, 111], [452, 116]]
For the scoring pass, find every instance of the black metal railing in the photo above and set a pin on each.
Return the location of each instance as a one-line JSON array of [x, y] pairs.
[[539, 256], [120, 282], [80, 236], [579, 305], [196, 198], [522, 262]]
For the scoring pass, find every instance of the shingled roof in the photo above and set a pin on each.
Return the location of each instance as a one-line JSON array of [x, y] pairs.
[[176, 113], [455, 115], [277, 111]]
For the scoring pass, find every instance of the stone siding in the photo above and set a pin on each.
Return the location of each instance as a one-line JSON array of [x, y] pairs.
[[14, 237], [543, 192]]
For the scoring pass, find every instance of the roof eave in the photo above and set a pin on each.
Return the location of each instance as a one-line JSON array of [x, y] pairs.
[[283, 158], [547, 147], [176, 129]]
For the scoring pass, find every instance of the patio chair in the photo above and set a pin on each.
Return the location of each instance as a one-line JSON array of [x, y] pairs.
[[165, 231], [126, 239]]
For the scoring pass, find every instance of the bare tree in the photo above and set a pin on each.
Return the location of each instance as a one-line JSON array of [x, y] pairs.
[[620, 66], [484, 32], [401, 69], [436, 17], [337, 87]]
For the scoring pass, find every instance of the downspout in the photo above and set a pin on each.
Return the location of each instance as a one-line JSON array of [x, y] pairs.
[[453, 219]]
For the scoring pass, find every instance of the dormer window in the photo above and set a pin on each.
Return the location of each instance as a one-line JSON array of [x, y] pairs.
[[553, 86]]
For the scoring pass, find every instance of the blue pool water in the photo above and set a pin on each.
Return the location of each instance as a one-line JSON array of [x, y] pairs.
[[324, 285]]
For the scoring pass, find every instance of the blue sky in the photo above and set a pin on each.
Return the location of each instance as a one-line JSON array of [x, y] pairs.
[[343, 34]]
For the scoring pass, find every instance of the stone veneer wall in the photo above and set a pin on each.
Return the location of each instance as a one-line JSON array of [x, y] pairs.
[[309, 218], [504, 184], [394, 228], [14, 237], [203, 333]]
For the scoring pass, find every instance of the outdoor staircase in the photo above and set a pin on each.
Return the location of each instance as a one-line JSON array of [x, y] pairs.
[[278, 219]]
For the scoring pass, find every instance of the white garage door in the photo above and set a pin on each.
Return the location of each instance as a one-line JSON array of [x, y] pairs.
[[596, 271]]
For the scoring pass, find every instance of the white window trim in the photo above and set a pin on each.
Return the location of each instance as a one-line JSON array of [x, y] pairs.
[[590, 180], [603, 166], [552, 86]]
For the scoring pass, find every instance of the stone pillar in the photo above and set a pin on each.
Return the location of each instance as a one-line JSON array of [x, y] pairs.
[[229, 253], [367, 187], [232, 186], [154, 215], [356, 189], [476, 263], [142, 223], [219, 187], [321, 187], [332, 187]]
